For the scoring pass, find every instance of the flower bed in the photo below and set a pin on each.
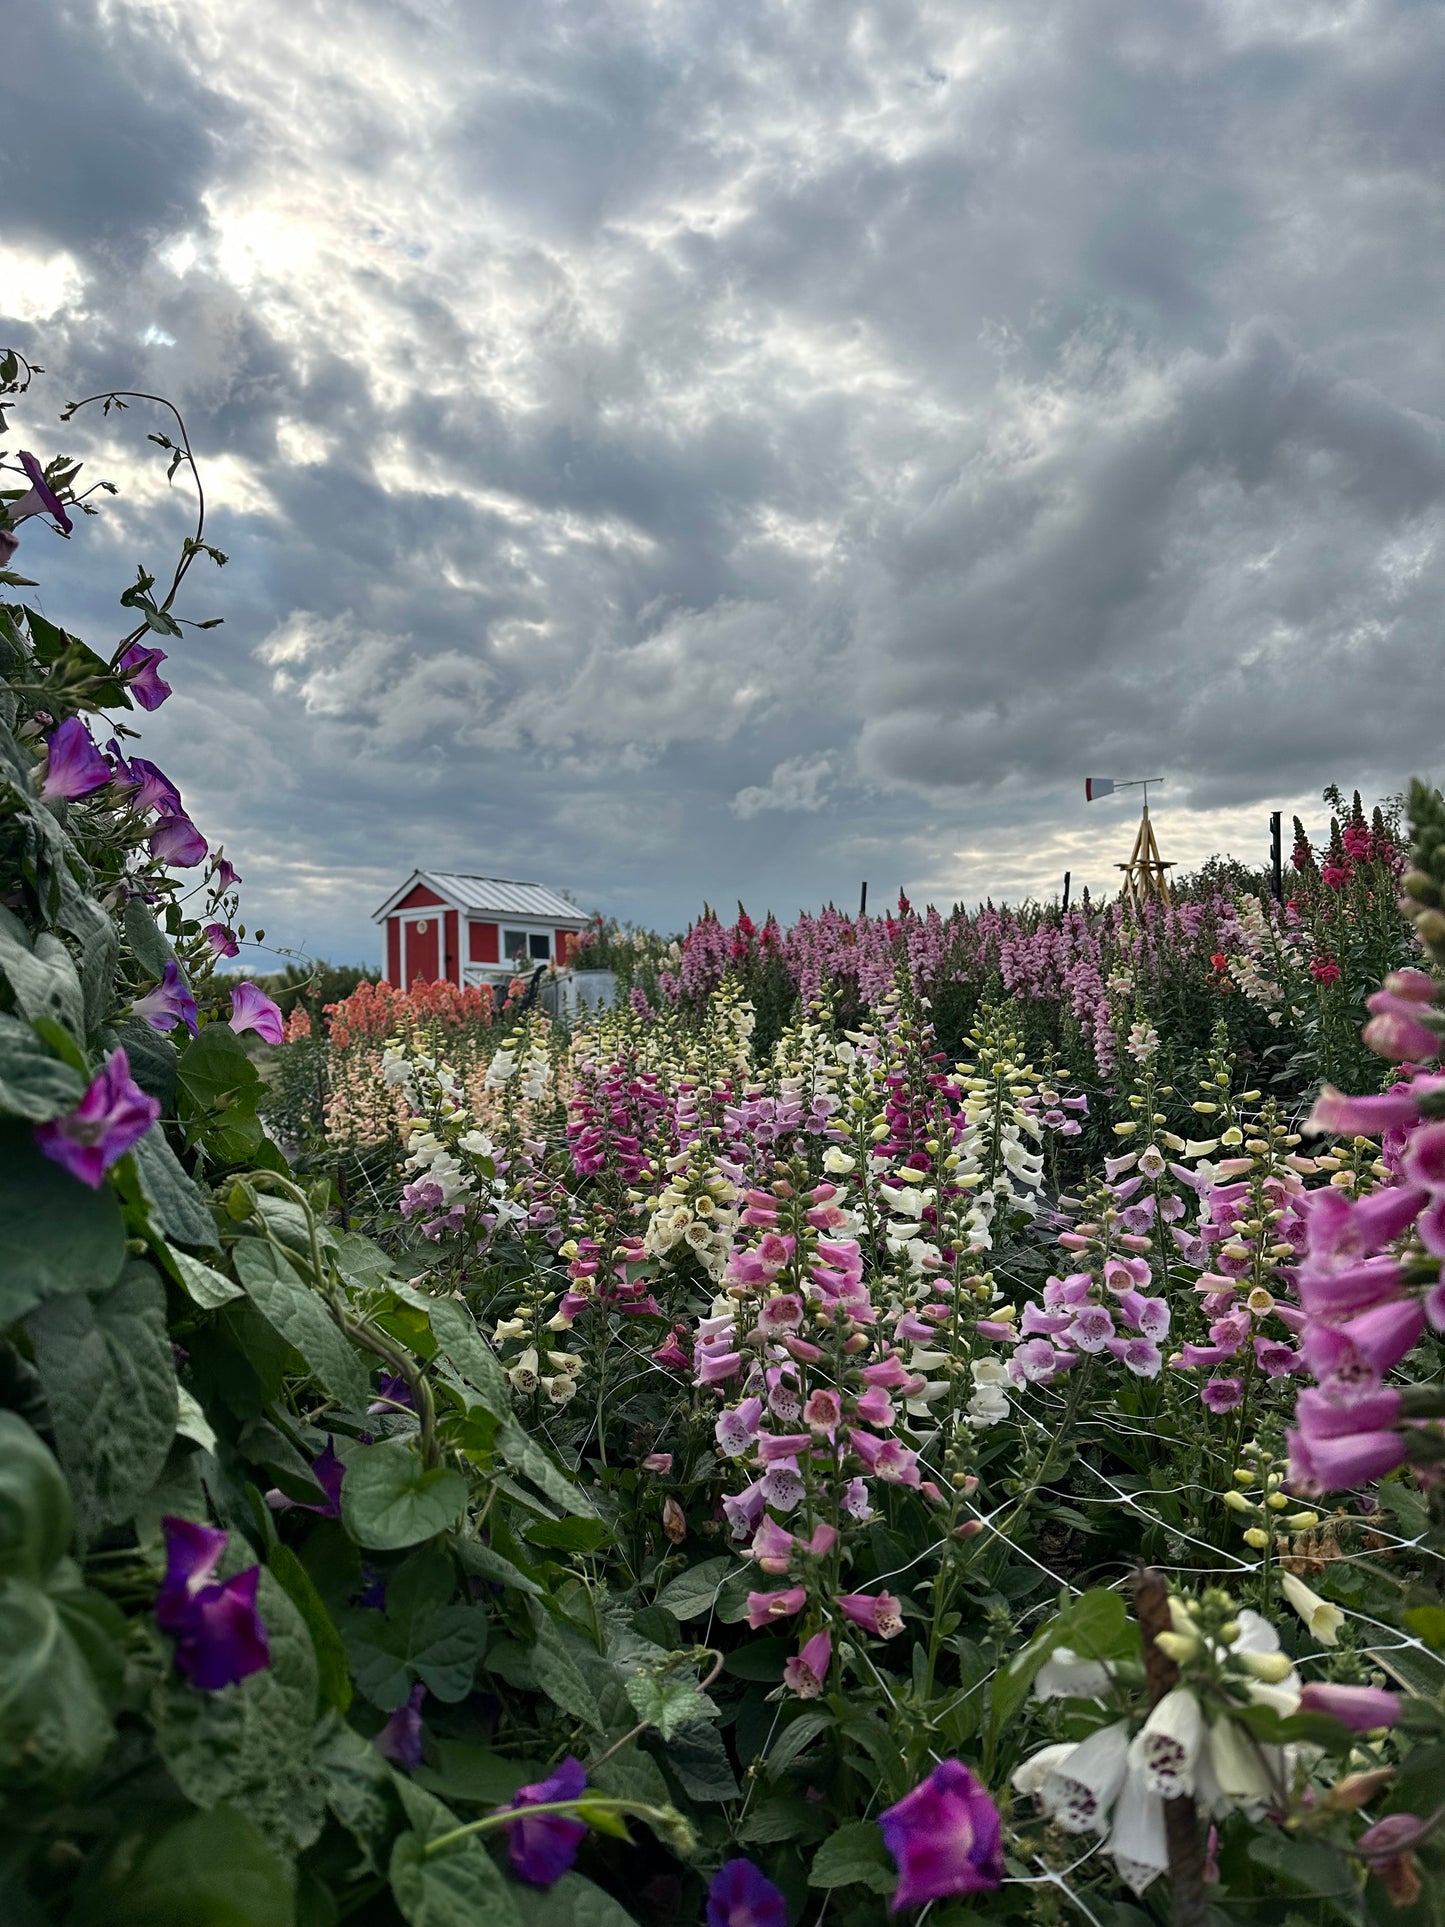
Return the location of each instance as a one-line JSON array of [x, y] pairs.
[[926, 1413]]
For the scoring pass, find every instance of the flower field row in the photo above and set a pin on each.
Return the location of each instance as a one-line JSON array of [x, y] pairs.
[[916, 1413]]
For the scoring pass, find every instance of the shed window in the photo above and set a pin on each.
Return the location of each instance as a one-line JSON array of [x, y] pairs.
[[520, 943]]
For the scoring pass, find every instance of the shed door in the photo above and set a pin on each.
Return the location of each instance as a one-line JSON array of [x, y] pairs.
[[421, 951]]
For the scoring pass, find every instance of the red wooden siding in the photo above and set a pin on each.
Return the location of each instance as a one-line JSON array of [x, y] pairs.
[[483, 943], [563, 938], [393, 951], [422, 950], [417, 899]]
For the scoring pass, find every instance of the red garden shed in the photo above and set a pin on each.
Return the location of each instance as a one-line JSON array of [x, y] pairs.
[[473, 930]]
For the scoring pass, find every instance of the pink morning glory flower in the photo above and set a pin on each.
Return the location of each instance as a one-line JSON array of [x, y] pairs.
[[176, 840], [222, 940], [946, 1838], [542, 1849], [137, 670], [76, 767], [147, 787], [252, 1009], [114, 1114], [169, 1003], [39, 499], [741, 1895], [219, 1639], [224, 876]]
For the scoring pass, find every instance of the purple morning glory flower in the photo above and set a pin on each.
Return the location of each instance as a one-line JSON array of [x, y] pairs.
[[114, 1114], [40, 498], [224, 876], [76, 766], [392, 1391], [542, 1850], [149, 788], [176, 840], [741, 1895], [222, 941], [9, 543], [169, 1004], [400, 1739], [252, 1009], [945, 1836], [137, 669], [328, 1472], [219, 1639]]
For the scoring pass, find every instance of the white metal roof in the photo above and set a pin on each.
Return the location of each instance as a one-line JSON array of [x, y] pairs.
[[495, 896]]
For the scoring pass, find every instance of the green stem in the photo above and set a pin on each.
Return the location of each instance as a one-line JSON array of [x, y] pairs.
[[665, 1817]]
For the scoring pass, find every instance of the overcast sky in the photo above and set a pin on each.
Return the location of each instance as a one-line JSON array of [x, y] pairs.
[[682, 449]]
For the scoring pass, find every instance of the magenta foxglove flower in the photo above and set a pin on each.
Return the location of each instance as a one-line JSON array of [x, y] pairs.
[[945, 1837], [541, 1850], [252, 1009], [137, 670], [114, 1114], [807, 1671], [741, 1895], [1222, 1394], [400, 1739], [76, 767], [169, 1003], [219, 1639], [1361, 1708], [222, 940], [765, 1607], [1320, 1465], [39, 499], [176, 840], [876, 1613]]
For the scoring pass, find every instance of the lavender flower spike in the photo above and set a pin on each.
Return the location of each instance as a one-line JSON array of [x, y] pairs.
[[219, 1639], [137, 669], [252, 1009], [114, 1114], [169, 1004], [76, 767]]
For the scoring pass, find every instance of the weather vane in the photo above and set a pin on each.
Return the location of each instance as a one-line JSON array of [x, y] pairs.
[[1144, 873]]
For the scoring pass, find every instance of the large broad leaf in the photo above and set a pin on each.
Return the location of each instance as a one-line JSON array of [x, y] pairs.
[[289, 1305], [82, 918], [700, 1760], [854, 1856], [668, 1703], [333, 1672], [144, 936], [249, 1746], [55, 1720], [693, 1594], [574, 1901], [559, 1675], [177, 1208], [1096, 1625], [34, 1503], [200, 1870], [357, 1786], [217, 1088], [152, 1059], [204, 1285], [34, 1083], [110, 1379], [423, 1633], [525, 1455], [460, 1886], [389, 1500], [56, 1234], [42, 977], [455, 1331]]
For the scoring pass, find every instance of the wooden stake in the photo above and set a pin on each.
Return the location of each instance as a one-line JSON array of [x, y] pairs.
[[1181, 1817]]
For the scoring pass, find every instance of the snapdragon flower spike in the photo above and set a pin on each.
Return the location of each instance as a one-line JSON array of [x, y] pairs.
[[75, 767], [252, 1009], [946, 1837], [543, 1848], [139, 672], [219, 1639], [169, 1003], [114, 1114], [741, 1895]]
